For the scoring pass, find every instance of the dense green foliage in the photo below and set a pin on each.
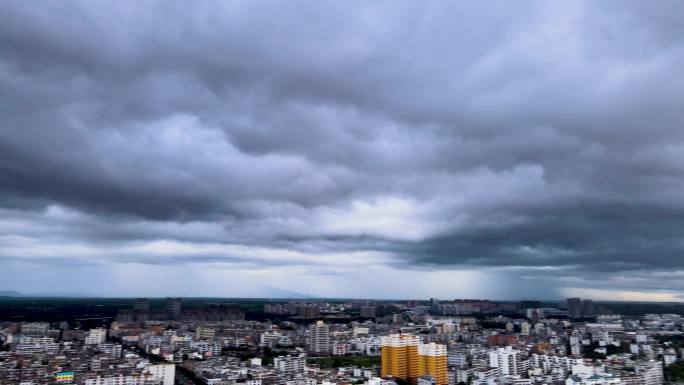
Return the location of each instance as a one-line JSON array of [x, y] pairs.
[[674, 372], [676, 341], [639, 308], [588, 351]]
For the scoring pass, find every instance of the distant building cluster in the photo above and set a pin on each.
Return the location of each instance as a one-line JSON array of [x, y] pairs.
[[433, 342], [579, 308], [142, 312]]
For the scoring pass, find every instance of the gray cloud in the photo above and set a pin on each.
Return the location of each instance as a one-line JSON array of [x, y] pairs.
[[517, 138]]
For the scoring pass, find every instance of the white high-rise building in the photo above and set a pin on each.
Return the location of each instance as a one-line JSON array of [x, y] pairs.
[[164, 372], [319, 338], [525, 329], [96, 336], [652, 372], [507, 360], [575, 345]]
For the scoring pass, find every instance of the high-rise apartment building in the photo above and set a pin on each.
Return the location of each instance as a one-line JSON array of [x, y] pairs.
[[574, 306], [651, 372], [173, 308], [507, 360], [142, 304], [368, 311], [575, 342], [434, 305], [432, 360], [96, 336], [319, 338], [578, 308], [141, 309], [587, 308], [164, 373], [308, 311], [399, 356], [403, 356]]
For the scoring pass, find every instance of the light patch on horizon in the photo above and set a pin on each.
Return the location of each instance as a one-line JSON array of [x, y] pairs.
[[623, 295]]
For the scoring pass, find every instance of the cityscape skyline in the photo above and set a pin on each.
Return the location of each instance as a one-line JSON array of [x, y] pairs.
[[185, 341], [389, 149]]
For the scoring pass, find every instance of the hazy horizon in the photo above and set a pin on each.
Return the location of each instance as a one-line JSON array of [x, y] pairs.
[[300, 298]]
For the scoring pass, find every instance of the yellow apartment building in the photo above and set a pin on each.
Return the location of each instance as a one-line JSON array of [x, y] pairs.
[[403, 356]]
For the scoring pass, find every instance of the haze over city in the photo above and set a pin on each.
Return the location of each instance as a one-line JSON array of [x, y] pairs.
[[499, 150]]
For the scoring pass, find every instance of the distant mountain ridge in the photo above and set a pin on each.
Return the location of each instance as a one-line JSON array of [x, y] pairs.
[[259, 292], [275, 292]]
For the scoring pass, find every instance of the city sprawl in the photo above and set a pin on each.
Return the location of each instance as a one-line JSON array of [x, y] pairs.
[[335, 342]]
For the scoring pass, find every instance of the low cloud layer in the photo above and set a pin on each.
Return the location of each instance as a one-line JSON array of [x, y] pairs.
[[489, 149]]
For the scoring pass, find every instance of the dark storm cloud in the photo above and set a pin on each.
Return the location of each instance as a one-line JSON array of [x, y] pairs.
[[486, 134]]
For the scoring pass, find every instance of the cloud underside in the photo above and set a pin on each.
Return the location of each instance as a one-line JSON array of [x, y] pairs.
[[542, 143]]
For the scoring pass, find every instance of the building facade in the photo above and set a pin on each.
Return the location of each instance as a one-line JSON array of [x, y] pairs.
[[405, 357]]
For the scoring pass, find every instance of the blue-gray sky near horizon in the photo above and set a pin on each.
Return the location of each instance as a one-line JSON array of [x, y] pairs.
[[380, 149]]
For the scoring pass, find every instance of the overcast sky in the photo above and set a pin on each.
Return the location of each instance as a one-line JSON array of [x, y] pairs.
[[393, 149]]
